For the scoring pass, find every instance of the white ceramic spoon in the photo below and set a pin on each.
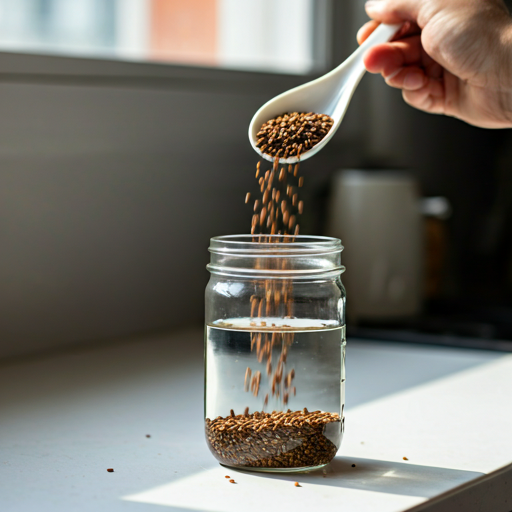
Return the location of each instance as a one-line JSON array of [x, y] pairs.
[[330, 94]]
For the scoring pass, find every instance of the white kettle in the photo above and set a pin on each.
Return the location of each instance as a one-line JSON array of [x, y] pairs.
[[378, 217]]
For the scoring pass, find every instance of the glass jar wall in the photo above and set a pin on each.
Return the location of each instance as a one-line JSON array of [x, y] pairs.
[[275, 351]]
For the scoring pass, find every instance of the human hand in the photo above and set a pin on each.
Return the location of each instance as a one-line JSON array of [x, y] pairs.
[[451, 57]]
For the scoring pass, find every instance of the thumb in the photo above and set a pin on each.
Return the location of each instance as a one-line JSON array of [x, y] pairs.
[[393, 11]]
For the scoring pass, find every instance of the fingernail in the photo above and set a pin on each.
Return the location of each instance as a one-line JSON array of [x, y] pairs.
[[374, 6], [413, 81], [392, 75]]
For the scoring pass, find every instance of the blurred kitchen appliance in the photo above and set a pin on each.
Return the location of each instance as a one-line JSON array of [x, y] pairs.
[[378, 217]]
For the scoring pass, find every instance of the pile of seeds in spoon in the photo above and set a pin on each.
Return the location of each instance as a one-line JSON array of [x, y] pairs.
[[293, 133]]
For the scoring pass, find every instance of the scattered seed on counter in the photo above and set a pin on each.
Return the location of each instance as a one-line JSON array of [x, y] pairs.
[[405, 458], [227, 476], [297, 484], [353, 465], [147, 435], [110, 470], [232, 481]]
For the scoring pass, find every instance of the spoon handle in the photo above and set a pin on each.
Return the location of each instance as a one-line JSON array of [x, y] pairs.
[[382, 34]]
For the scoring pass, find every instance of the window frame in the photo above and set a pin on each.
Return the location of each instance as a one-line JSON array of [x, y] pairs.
[[331, 44]]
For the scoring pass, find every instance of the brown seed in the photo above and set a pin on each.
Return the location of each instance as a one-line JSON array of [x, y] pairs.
[[301, 181], [147, 435], [254, 305], [263, 215], [296, 170], [296, 484], [301, 206], [261, 307], [227, 476], [294, 199], [247, 197], [248, 373], [271, 179], [405, 458], [110, 470], [232, 481], [246, 411]]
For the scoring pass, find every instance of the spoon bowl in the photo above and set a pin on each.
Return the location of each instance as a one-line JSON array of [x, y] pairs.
[[330, 94]]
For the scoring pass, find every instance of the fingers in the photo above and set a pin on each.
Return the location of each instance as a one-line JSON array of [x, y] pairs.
[[389, 58], [429, 98], [409, 79], [393, 11], [403, 63], [364, 32], [408, 29]]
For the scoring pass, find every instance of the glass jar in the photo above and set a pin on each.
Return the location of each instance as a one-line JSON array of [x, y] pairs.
[[275, 351]]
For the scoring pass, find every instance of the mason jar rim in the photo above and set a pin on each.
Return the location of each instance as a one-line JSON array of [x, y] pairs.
[[274, 245], [262, 255]]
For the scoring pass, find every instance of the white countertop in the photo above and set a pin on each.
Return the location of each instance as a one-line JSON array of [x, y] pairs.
[[65, 419]]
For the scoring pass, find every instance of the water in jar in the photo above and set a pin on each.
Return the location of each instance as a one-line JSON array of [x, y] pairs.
[[275, 392]]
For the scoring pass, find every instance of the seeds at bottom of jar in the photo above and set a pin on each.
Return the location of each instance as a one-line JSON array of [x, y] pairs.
[[277, 440]]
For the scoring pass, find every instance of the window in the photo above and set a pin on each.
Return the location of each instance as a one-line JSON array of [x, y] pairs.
[[260, 35]]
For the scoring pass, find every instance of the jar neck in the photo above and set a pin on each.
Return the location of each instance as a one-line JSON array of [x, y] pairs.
[[276, 256]]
